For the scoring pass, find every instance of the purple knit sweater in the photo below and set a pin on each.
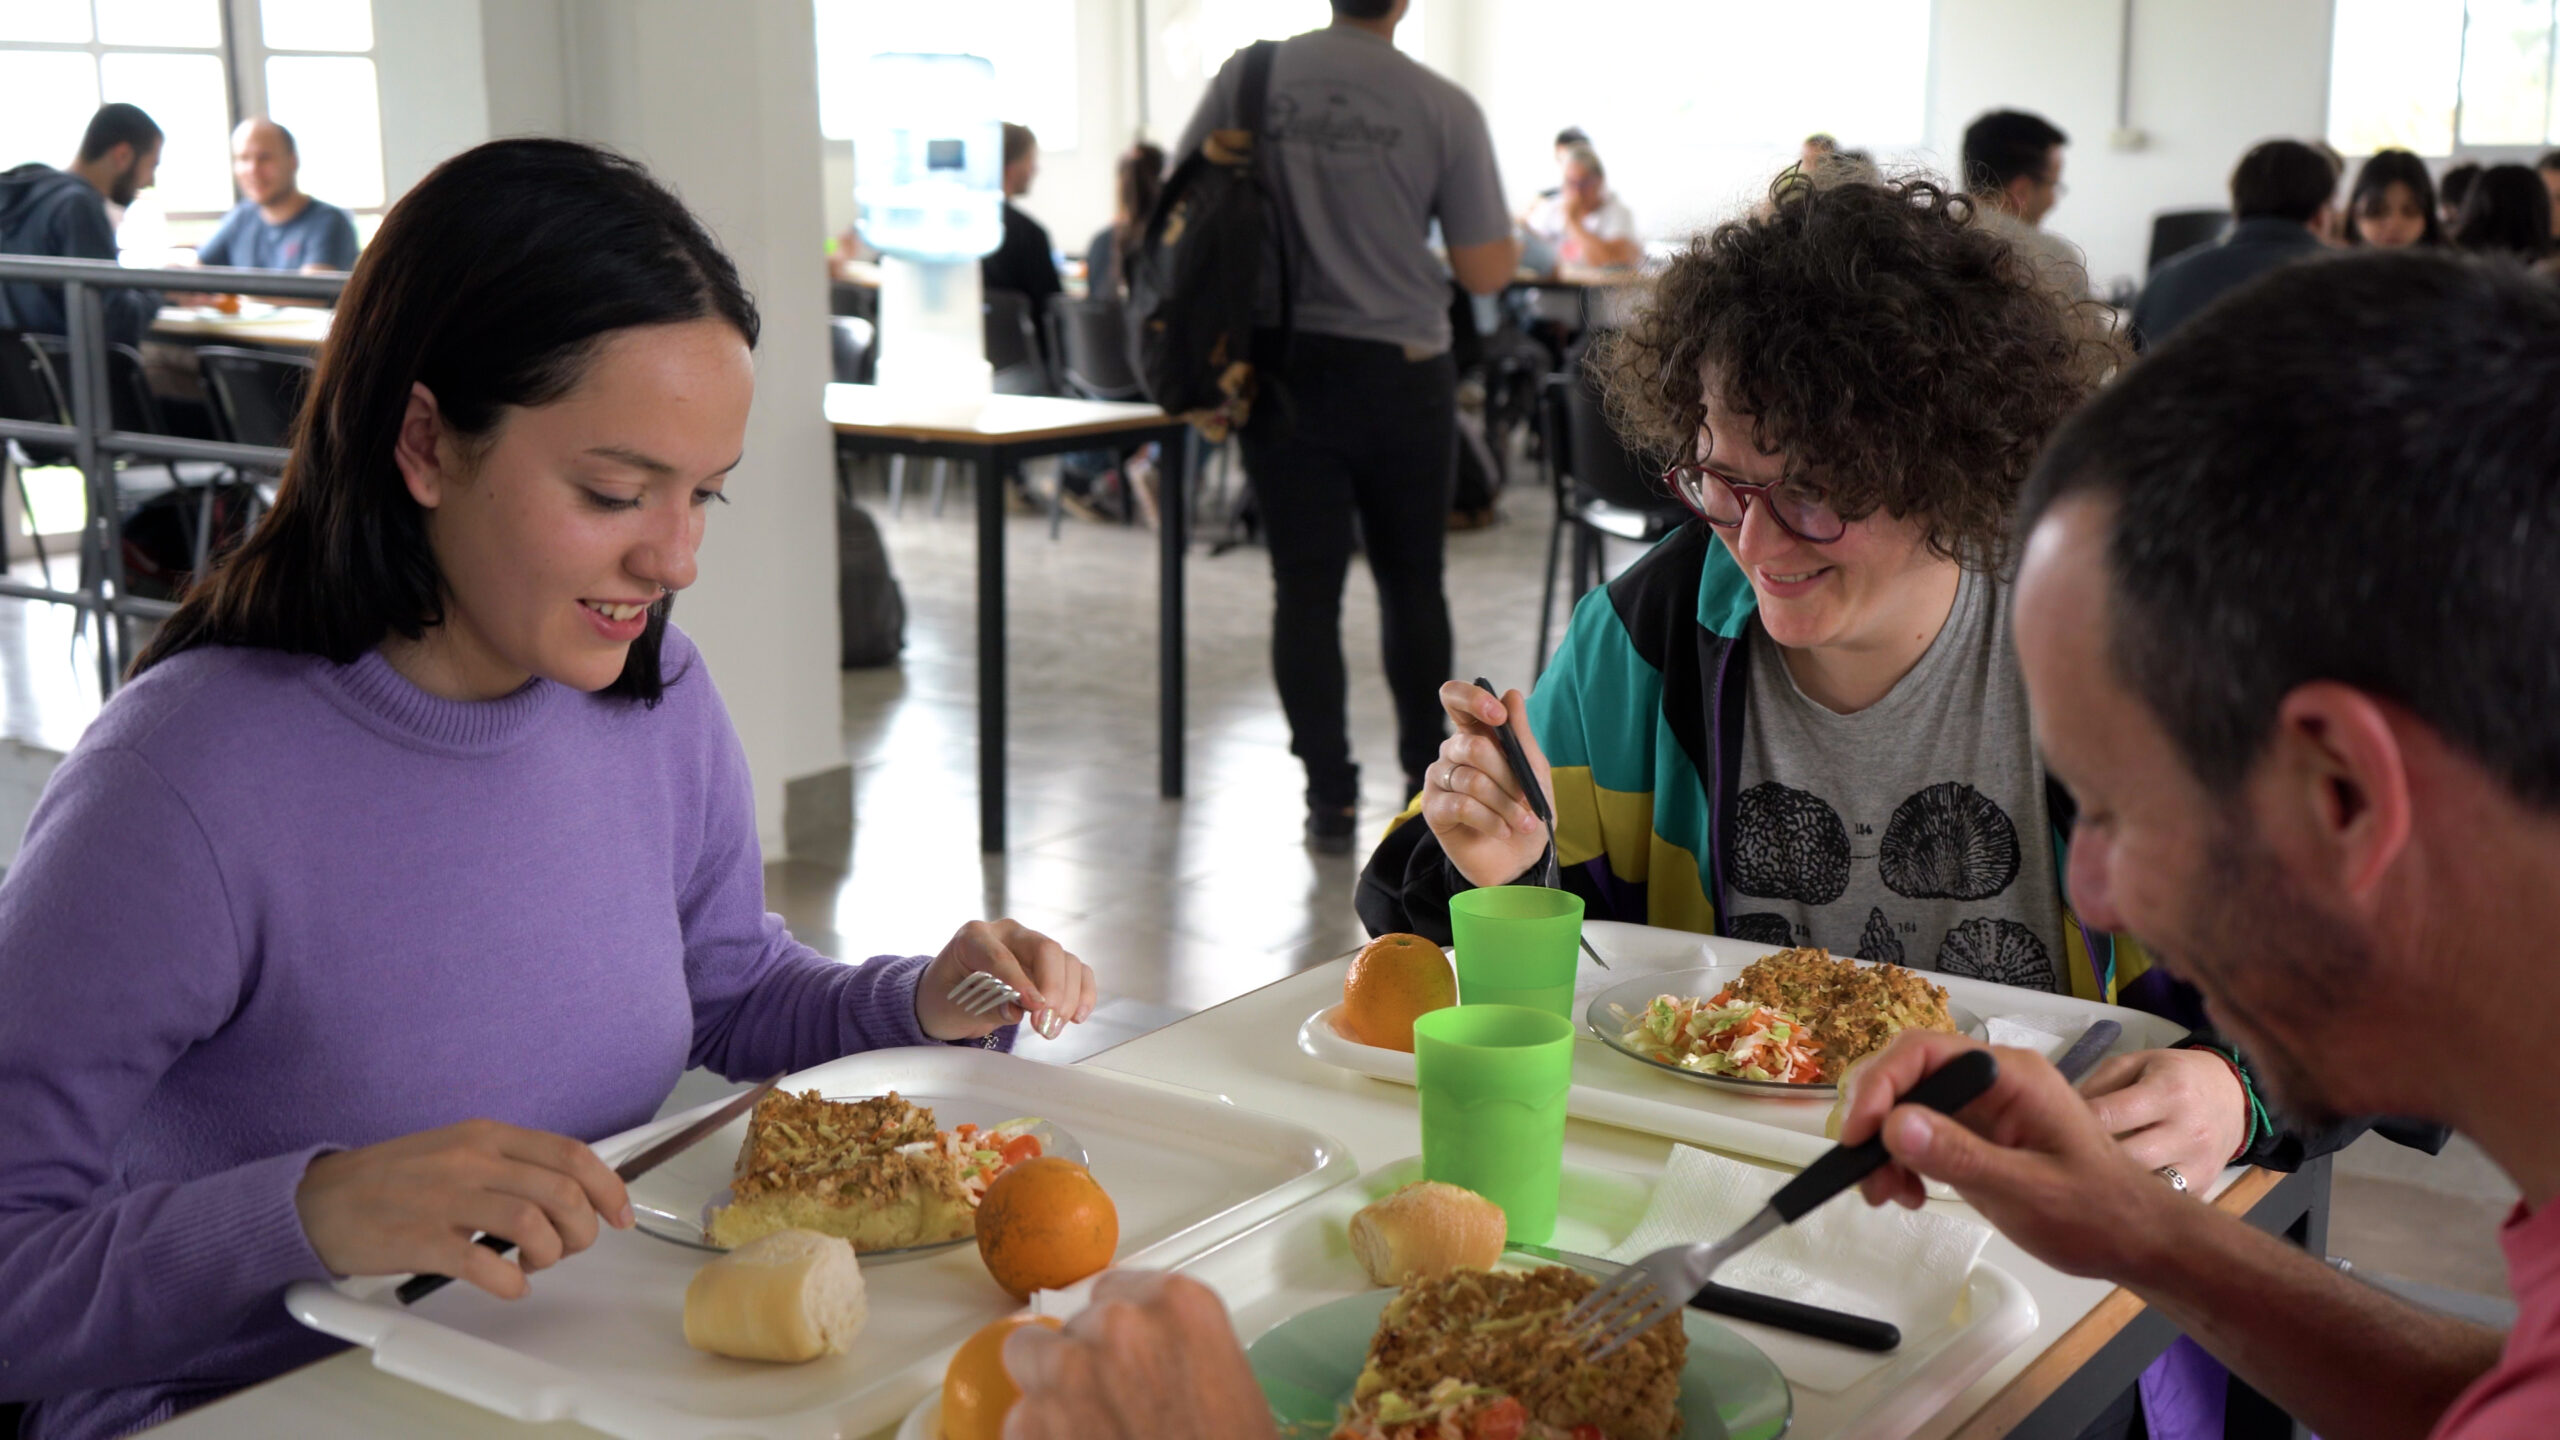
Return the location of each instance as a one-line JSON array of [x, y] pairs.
[[272, 907]]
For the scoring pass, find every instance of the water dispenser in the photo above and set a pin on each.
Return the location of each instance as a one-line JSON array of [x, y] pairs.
[[929, 195]]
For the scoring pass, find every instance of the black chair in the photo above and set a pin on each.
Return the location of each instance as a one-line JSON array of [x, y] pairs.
[[133, 408], [1603, 491], [130, 403], [851, 338], [1091, 340], [28, 392], [2174, 232], [1013, 345], [256, 393]]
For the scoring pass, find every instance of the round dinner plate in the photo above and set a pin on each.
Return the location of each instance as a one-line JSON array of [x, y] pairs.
[[1308, 1363], [674, 1202], [925, 1421], [1635, 994]]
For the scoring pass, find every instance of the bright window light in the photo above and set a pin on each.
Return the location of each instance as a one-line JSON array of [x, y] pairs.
[[1031, 44], [316, 24], [46, 98], [47, 22], [2506, 72], [2402, 71], [330, 105], [186, 95], [189, 24]]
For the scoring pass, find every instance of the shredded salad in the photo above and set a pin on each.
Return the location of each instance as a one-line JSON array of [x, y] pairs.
[[1454, 1410], [982, 1155], [1724, 1036]]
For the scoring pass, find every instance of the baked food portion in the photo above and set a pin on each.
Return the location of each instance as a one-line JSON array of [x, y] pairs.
[[1853, 1009], [786, 1297], [1501, 1334], [1426, 1230], [876, 1172]]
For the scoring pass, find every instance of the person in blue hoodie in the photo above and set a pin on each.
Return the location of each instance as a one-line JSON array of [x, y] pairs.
[[44, 211]]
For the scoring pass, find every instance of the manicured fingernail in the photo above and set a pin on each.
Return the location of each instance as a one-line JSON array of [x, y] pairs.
[[625, 1220]]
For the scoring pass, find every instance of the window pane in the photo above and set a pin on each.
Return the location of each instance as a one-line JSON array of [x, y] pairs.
[[2506, 72], [46, 98], [2393, 69], [1031, 44], [330, 106], [161, 22], [316, 24], [60, 22], [186, 95]]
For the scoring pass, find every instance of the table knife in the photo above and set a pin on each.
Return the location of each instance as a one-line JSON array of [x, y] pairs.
[[419, 1287], [2088, 1050], [1838, 1326]]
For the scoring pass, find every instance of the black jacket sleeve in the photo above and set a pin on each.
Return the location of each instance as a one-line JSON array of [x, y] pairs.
[[1407, 883]]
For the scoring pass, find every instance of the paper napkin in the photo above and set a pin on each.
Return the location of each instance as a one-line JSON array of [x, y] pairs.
[[1909, 1267], [2044, 1034]]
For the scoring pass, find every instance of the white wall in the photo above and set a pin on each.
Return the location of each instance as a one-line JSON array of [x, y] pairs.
[[435, 98]]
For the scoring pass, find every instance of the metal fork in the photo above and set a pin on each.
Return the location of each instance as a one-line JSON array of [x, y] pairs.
[[980, 993], [1654, 1288]]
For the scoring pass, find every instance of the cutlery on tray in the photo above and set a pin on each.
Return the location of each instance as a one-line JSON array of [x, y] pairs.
[[419, 1287], [1518, 759], [2088, 1050], [1838, 1326], [1653, 1289]]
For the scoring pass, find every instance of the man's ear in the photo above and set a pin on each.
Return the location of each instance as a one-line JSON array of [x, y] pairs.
[[2337, 764], [421, 452]]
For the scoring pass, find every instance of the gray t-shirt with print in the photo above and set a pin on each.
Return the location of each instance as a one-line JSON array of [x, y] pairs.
[[1915, 830], [1366, 148]]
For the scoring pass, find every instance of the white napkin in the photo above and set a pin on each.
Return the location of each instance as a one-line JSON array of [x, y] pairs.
[[1909, 1267], [2041, 1033]]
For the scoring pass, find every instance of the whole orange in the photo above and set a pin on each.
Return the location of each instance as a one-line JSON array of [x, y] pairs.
[[1392, 980], [976, 1392], [1044, 1224]]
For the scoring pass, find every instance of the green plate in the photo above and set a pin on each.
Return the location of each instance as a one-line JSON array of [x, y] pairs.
[[1308, 1363]]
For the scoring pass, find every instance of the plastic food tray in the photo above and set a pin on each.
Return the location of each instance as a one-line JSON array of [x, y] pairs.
[[1616, 1090], [1302, 1259], [601, 1338]]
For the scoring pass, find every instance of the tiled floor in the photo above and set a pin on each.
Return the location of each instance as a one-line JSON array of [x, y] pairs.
[[1182, 904]]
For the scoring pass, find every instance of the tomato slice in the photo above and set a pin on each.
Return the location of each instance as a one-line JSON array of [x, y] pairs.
[[1504, 1419], [1019, 1149]]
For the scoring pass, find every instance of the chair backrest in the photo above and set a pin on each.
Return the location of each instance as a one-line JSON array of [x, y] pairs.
[[1599, 462], [30, 391], [1093, 348], [2174, 232], [851, 337], [1013, 345], [256, 393], [130, 403]]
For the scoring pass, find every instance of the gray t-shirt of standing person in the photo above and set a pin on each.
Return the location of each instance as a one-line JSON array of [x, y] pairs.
[[1365, 148]]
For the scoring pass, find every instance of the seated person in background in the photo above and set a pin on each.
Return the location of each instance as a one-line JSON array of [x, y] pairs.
[[1583, 222], [1566, 139], [2393, 203], [276, 226], [2317, 773], [2453, 189], [2280, 205], [1137, 181], [1817, 147], [2507, 213], [2548, 167], [44, 211], [1024, 261], [2013, 166]]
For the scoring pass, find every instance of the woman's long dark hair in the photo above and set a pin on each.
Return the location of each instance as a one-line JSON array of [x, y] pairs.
[[492, 284], [1140, 178], [2507, 212], [2385, 169]]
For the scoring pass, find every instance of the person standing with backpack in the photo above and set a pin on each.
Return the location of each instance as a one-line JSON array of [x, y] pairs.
[[1362, 150]]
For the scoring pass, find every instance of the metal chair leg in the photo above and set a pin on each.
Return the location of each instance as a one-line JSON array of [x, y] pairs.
[[942, 484], [1547, 598], [897, 484]]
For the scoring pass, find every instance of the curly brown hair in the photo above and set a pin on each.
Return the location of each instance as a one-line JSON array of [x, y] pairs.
[[1899, 355]]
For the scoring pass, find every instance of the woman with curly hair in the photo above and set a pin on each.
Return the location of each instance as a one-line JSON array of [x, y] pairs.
[[1799, 720]]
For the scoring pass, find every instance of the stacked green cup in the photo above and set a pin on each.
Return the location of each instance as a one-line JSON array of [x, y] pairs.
[[1493, 1081], [1517, 945]]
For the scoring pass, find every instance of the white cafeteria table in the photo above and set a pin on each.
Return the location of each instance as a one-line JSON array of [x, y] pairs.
[[2090, 1341]]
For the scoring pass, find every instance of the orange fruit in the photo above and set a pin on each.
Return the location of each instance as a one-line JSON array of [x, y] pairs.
[[1392, 980], [1044, 1224], [976, 1392]]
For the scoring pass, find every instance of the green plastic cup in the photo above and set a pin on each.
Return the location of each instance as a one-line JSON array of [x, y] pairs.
[[1493, 1081], [1517, 945]]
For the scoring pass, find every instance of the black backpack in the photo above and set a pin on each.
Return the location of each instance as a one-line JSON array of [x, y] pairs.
[[1197, 272]]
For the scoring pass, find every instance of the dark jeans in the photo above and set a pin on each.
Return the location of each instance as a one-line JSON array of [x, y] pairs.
[[1363, 433]]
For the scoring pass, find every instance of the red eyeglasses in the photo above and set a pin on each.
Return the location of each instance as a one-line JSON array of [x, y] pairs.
[[1723, 501]]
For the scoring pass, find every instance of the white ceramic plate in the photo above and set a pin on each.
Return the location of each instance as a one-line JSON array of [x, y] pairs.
[[1633, 995]]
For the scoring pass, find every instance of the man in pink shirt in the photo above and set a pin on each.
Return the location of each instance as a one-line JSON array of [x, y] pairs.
[[2289, 614]]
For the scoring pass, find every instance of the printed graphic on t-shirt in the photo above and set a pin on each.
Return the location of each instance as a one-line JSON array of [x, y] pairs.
[[1339, 121]]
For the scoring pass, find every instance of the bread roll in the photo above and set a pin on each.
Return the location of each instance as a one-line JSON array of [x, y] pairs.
[[793, 1295], [1426, 1230]]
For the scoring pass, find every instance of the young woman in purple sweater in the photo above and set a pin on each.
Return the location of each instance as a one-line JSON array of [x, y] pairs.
[[420, 849]]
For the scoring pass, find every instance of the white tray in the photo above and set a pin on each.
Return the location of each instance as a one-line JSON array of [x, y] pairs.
[[601, 1338], [1302, 1259], [1615, 1090]]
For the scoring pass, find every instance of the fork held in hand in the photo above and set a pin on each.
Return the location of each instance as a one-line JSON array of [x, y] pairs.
[[1654, 1288], [980, 993]]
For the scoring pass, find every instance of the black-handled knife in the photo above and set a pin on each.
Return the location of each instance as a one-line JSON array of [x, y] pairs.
[[1518, 759], [1837, 1326], [1947, 1089]]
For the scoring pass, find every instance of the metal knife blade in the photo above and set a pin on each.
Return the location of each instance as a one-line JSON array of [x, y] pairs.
[[2088, 1050], [419, 1287], [1838, 1326]]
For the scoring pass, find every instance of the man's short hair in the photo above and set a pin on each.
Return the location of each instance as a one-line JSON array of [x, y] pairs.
[[1588, 158], [2345, 471], [1571, 135], [1018, 142], [1363, 9], [2281, 180], [118, 124], [2550, 161], [2455, 186], [2005, 144]]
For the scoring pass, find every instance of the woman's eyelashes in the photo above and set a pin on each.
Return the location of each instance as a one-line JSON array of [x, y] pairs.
[[706, 496], [608, 502]]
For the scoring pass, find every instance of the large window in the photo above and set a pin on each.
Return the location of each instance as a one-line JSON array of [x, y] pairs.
[[2435, 76], [197, 66], [1031, 44]]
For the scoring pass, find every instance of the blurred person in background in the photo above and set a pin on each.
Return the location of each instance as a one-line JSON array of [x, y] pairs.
[[2393, 203], [1136, 182], [276, 226], [2548, 167], [2013, 166], [63, 213], [1584, 222], [2281, 207], [2453, 189], [2507, 213], [1816, 146], [1024, 262]]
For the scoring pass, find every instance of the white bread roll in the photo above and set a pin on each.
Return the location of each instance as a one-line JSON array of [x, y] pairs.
[[793, 1295], [1426, 1230]]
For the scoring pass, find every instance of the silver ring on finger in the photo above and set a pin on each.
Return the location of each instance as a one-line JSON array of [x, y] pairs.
[[2170, 1173]]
